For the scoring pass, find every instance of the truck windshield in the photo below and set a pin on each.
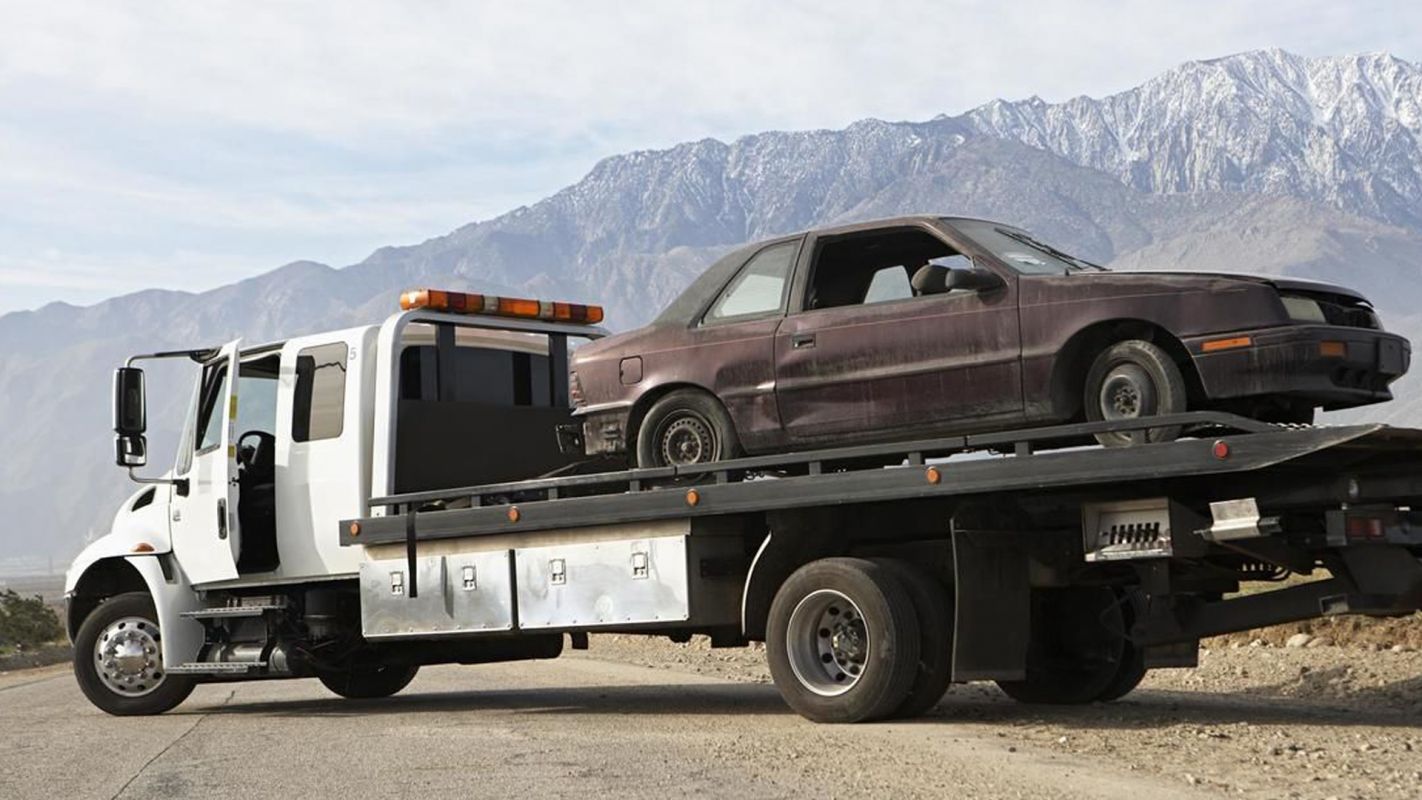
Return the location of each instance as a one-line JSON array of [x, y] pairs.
[[1019, 250]]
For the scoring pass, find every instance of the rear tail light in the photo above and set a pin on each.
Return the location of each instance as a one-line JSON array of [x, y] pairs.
[[1366, 528], [575, 390]]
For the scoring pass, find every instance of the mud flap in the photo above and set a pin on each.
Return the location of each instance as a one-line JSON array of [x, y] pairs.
[[993, 605]]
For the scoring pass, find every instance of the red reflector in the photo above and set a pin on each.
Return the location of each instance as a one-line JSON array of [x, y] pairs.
[[1365, 528], [1221, 449]]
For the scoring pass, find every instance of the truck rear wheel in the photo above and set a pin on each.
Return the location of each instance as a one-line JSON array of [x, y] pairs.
[[1077, 649], [934, 607], [369, 682], [843, 641], [118, 659]]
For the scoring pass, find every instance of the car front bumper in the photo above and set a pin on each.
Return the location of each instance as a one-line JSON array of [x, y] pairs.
[[1331, 366]]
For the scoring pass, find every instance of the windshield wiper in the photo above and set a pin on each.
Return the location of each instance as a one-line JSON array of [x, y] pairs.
[[1079, 263]]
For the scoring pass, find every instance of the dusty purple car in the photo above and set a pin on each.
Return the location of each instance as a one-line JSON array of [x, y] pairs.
[[917, 326]]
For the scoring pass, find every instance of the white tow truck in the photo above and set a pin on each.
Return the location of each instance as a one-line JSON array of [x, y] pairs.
[[353, 505]]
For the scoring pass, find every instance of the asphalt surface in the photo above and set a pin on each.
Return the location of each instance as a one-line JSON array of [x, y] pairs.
[[574, 727]]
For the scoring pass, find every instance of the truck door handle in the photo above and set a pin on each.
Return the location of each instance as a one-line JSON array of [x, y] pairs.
[[802, 341], [221, 518]]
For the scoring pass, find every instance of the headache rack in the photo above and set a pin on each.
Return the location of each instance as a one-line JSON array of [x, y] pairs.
[[1051, 458]]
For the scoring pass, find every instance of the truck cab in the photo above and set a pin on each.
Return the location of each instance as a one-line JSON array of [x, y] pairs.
[[283, 440]]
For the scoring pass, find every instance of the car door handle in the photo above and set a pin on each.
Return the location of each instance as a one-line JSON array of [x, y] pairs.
[[802, 341]]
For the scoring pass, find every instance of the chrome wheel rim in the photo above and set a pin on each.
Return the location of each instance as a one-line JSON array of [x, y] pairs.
[[828, 643], [1127, 393], [128, 657], [687, 439]]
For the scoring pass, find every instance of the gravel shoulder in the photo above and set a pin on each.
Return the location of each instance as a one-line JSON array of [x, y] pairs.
[[1254, 720]]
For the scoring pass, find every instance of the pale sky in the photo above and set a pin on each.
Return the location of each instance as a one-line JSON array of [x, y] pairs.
[[186, 145]]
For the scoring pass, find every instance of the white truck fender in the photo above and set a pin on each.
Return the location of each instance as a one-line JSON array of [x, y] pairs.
[[139, 538]]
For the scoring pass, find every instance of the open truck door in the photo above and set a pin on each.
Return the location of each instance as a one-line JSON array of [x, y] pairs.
[[205, 529]]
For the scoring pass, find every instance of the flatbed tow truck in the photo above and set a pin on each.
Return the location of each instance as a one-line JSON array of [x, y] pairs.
[[376, 512]]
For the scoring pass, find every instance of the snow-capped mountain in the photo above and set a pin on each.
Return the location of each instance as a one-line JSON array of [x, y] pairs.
[[1263, 161], [1346, 131]]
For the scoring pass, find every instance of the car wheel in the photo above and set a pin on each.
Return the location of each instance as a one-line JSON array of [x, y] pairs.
[[118, 659], [1130, 380], [684, 428], [842, 641]]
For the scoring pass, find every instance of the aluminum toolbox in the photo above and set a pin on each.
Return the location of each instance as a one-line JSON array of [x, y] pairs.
[[660, 580], [458, 594]]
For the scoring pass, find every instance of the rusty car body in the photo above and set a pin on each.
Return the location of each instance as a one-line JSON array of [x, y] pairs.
[[924, 325]]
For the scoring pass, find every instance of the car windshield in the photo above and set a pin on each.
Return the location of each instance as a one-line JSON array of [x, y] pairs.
[[1017, 249]]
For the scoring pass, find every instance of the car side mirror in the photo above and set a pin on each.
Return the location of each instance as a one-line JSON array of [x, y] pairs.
[[973, 280], [130, 418]]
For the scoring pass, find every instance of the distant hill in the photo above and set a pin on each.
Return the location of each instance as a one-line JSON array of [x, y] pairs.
[[1263, 161]]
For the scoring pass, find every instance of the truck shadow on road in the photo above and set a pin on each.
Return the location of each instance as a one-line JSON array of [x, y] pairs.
[[1393, 705]]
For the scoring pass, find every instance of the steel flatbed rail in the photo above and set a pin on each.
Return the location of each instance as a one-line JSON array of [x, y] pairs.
[[858, 475]]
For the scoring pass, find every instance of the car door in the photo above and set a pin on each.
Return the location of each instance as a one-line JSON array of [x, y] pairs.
[[205, 531], [923, 364]]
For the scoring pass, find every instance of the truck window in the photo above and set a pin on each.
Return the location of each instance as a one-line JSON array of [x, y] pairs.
[[209, 426], [487, 375], [320, 397]]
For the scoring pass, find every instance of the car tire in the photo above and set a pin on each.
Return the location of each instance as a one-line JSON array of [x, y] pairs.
[[934, 606], [684, 428], [124, 629], [369, 682], [842, 641], [1133, 379]]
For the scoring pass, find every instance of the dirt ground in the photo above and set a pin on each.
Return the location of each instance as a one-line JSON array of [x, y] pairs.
[[1255, 719]]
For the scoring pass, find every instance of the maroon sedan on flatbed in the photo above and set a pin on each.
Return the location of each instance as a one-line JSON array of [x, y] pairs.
[[917, 326]]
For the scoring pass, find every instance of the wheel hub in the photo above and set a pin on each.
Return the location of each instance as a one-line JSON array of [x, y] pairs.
[[128, 657], [687, 440], [1127, 393], [828, 642]]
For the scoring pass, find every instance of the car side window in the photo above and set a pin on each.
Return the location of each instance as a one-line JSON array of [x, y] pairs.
[[759, 288]]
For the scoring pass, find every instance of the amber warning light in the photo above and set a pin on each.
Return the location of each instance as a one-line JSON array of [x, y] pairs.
[[463, 303]]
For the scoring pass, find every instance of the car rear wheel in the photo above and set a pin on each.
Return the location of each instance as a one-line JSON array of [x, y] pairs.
[[1130, 380], [684, 428]]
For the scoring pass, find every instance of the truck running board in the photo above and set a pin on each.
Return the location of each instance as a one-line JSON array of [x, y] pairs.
[[216, 668]]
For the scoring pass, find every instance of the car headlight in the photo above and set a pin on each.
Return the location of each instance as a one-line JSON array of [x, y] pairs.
[[1303, 309]]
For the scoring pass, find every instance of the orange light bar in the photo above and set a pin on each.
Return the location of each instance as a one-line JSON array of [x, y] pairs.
[[1333, 349], [1226, 344], [464, 303]]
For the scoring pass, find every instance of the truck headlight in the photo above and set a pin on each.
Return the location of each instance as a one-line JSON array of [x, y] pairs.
[[1303, 309]]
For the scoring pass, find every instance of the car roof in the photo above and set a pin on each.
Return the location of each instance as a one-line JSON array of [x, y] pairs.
[[693, 300]]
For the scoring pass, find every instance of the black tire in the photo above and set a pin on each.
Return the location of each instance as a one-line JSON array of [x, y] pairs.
[[152, 690], [875, 636], [934, 606], [1076, 650], [686, 427], [1133, 379], [1132, 669], [369, 682]]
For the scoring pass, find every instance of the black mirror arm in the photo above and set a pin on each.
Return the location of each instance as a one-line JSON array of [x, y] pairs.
[[181, 484]]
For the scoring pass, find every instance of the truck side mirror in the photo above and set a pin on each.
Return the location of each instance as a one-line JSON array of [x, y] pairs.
[[130, 418], [973, 280]]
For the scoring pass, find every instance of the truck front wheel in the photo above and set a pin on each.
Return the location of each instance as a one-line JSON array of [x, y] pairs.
[[118, 659], [369, 682], [843, 641]]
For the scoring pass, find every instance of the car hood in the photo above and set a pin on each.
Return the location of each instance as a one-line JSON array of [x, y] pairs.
[[1278, 282]]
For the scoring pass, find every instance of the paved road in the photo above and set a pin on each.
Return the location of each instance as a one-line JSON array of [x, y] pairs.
[[575, 727]]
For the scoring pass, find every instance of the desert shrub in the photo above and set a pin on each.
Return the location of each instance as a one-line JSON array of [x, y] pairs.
[[27, 621]]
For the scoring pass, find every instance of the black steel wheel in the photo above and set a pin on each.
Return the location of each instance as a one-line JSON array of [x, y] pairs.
[[843, 641], [1131, 380], [1132, 669], [934, 605], [684, 428], [1077, 647], [118, 659], [369, 682]]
